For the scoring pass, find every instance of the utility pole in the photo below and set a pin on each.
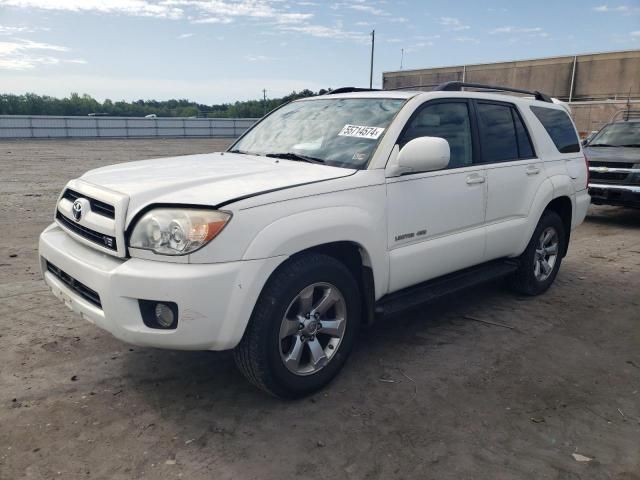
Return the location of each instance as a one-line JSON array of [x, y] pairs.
[[401, 57], [373, 43], [264, 102]]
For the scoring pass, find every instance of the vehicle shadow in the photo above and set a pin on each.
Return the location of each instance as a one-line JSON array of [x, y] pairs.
[[614, 216], [189, 386]]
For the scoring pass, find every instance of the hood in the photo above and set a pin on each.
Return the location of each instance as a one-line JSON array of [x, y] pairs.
[[208, 179], [613, 154]]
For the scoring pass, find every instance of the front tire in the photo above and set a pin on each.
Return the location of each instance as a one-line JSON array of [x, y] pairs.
[[540, 262], [302, 327]]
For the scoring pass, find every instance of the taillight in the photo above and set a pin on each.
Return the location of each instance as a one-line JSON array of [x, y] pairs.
[[586, 163]]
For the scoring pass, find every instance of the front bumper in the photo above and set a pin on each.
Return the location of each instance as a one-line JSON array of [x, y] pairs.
[[214, 301], [611, 194]]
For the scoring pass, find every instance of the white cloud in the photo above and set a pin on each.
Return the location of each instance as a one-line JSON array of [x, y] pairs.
[[515, 30], [626, 9], [129, 7], [4, 30], [20, 54], [279, 14], [258, 58], [322, 31], [451, 23], [182, 36], [635, 35], [466, 40]]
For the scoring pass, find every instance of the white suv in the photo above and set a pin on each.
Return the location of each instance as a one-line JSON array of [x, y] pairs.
[[329, 212]]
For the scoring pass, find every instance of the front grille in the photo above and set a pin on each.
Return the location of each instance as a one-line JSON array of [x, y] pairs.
[[97, 206], [81, 289], [101, 239], [608, 177], [610, 164]]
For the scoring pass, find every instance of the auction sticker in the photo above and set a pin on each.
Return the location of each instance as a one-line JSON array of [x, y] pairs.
[[360, 132]]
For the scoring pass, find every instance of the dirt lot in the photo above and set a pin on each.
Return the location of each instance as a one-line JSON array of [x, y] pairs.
[[432, 394]]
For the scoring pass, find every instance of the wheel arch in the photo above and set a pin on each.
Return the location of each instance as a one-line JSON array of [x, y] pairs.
[[343, 232], [356, 258], [563, 206]]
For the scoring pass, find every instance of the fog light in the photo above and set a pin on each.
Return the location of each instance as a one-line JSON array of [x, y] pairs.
[[162, 315]]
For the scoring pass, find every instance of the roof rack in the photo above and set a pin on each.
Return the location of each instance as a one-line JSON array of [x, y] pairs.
[[351, 89], [409, 87], [458, 86]]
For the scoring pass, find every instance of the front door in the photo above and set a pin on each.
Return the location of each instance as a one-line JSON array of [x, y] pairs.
[[436, 219]]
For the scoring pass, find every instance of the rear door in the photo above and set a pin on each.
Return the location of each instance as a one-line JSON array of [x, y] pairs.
[[514, 175]]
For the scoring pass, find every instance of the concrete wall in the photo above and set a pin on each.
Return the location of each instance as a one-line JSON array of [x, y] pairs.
[[25, 126], [598, 76]]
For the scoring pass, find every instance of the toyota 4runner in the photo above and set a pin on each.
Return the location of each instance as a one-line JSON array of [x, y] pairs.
[[328, 213]]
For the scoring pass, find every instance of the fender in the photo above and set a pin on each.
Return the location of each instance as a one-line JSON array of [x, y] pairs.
[[563, 187], [295, 233], [544, 196]]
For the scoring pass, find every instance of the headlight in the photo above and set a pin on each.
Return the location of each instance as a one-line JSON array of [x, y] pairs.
[[177, 231]]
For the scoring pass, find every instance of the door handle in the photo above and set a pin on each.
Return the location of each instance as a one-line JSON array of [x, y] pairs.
[[532, 170], [473, 179]]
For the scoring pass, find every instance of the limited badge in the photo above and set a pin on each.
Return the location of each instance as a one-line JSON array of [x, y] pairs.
[[360, 131]]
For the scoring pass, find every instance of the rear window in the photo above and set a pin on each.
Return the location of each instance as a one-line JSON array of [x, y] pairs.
[[559, 127]]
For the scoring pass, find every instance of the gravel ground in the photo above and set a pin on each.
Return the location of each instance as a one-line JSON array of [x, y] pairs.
[[435, 393]]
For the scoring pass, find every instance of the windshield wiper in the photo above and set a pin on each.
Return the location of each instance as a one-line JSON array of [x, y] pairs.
[[601, 145], [632, 145], [243, 152], [296, 157]]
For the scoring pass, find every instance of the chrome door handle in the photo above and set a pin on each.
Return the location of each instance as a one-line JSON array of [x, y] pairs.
[[532, 170], [473, 179]]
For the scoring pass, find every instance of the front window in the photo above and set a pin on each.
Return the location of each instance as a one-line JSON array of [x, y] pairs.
[[623, 134], [341, 132]]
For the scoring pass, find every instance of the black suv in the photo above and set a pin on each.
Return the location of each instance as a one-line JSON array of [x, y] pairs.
[[614, 162]]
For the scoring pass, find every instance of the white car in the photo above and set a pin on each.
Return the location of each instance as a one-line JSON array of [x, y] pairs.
[[329, 212]]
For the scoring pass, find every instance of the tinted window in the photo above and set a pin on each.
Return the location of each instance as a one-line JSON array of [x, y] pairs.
[[497, 133], [559, 127], [623, 134], [525, 149], [445, 120]]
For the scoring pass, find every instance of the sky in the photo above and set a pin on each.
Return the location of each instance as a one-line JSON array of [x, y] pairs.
[[214, 51]]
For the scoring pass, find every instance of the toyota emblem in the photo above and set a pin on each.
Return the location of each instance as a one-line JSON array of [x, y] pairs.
[[77, 209]]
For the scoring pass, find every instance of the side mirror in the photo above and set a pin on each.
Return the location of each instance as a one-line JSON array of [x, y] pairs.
[[425, 154]]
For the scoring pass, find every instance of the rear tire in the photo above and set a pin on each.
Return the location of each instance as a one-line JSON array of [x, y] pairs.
[[302, 327], [540, 262]]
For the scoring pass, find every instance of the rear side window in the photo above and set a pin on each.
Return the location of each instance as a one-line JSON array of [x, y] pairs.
[[559, 127], [497, 133]]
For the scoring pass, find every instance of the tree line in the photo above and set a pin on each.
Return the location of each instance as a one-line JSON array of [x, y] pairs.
[[81, 105]]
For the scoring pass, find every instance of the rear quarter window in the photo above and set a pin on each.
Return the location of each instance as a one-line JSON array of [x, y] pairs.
[[559, 127]]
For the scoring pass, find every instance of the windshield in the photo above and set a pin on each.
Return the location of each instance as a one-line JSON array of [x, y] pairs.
[[623, 134], [341, 132]]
